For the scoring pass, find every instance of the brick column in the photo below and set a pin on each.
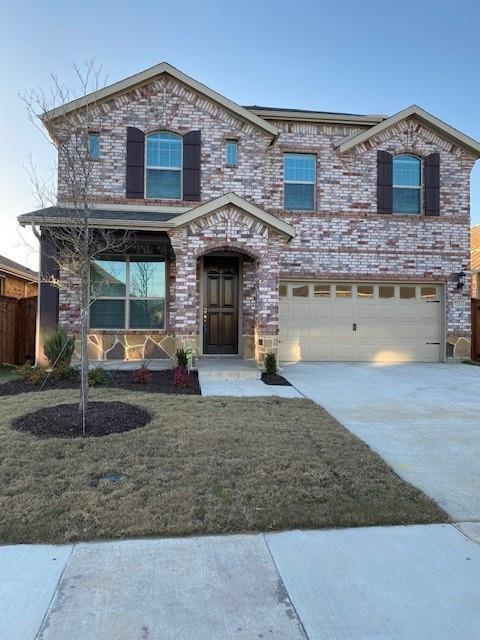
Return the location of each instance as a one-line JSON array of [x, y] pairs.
[[266, 325], [184, 316]]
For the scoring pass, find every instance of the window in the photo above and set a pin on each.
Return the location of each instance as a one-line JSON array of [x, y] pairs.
[[364, 291], [428, 293], [231, 152], [299, 181], [163, 166], [407, 293], [2, 285], [300, 292], [283, 291], [343, 291], [128, 292], [386, 292], [94, 145], [321, 291], [407, 184]]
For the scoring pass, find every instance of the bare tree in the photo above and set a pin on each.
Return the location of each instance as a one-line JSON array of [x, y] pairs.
[[76, 239]]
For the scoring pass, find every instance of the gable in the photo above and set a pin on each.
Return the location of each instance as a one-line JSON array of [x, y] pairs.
[[258, 215], [140, 80], [423, 117]]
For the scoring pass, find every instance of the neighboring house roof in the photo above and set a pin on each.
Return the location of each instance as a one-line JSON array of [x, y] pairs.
[[147, 76], [475, 248], [149, 218], [423, 116], [12, 268]]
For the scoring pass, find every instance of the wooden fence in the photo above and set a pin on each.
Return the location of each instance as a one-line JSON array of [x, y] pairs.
[[476, 329], [17, 329]]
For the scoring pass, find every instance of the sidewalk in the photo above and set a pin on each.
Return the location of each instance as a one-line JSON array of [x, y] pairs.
[[350, 584]]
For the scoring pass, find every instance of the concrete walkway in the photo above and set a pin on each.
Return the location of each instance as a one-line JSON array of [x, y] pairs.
[[351, 584], [423, 419]]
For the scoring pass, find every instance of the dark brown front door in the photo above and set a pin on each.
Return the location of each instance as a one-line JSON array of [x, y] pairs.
[[220, 305]]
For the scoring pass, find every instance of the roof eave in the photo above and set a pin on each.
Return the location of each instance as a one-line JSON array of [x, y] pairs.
[[457, 137], [146, 76]]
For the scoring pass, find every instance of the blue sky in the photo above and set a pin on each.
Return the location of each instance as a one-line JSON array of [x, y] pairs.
[[360, 57]]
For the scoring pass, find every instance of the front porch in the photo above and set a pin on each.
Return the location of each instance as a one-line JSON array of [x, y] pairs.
[[220, 296]]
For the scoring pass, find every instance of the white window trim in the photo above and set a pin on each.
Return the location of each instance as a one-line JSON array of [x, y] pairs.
[[127, 298], [421, 187], [314, 182], [180, 168]]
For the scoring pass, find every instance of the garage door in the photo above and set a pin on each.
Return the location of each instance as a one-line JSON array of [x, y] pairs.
[[381, 322]]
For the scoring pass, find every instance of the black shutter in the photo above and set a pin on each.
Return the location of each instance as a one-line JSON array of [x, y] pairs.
[[135, 163], [191, 165], [431, 169], [384, 182]]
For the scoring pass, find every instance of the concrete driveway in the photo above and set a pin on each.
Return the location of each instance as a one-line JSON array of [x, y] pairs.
[[423, 419]]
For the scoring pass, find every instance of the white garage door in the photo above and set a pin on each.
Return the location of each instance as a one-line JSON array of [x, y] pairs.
[[380, 322]]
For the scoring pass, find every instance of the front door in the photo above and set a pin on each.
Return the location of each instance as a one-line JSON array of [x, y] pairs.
[[220, 305]]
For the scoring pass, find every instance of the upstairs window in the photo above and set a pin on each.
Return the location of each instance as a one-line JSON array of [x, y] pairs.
[[94, 145], [299, 181], [231, 150], [407, 184], [163, 167]]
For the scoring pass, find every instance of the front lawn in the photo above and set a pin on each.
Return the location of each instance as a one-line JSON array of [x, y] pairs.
[[8, 373], [203, 465]]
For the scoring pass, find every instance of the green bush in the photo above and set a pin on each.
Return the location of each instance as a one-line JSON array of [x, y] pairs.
[[97, 376], [182, 358], [271, 363], [66, 372], [32, 375], [59, 348]]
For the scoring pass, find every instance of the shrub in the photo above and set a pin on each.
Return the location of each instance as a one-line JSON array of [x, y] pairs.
[[271, 363], [59, 348], [97, 377], [182, 358], [142, 375], [66, 372], [181, 377], [32, 375]]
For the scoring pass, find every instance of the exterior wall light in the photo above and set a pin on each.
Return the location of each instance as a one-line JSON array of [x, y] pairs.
[[460, 280]]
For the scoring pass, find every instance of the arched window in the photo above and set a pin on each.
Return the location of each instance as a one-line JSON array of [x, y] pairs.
[[163, 166], [407, 184]]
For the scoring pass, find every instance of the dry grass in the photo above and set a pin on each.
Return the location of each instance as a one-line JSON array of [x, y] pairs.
[[202, 465]]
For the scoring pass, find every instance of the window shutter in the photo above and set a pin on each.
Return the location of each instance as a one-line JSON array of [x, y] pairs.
[[431, 169], [191, 165], [135, 163], [384, 182]]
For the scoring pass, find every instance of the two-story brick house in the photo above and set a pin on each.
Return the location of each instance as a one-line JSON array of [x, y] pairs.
[[320, 236]]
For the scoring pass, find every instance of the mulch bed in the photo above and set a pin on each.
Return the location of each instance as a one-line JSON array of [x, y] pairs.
[[162, 382], [65, 420], [275, 379]]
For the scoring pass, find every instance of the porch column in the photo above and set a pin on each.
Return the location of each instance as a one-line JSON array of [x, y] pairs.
[[266, 326], [184, 302]]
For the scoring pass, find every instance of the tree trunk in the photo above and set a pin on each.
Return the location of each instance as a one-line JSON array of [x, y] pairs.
[[84, 316]]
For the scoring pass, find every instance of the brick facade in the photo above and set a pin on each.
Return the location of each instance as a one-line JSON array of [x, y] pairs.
[[344, 238]]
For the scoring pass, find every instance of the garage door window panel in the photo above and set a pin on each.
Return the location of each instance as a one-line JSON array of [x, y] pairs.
[[300, 292], [428, 293], [407, 293], [365, 291], [386, 292], [343, 291], [322, 291]]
